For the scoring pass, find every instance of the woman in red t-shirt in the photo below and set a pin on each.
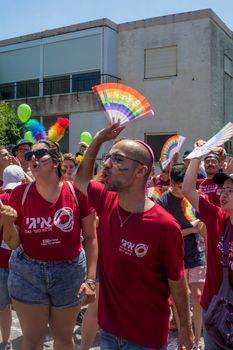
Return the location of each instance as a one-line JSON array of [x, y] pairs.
[[48, 267]]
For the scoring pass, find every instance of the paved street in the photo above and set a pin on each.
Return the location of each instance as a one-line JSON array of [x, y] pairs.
[[48, 345]]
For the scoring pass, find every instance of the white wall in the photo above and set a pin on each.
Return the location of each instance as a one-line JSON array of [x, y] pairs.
[[88, 121]]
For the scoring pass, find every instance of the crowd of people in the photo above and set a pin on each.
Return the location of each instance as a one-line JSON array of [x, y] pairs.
[[58, 214]]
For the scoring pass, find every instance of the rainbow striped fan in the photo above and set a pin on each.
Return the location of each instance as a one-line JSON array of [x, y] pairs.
[[154, 192], [224, 135], [122, 103], [188, 211], [170, 147]]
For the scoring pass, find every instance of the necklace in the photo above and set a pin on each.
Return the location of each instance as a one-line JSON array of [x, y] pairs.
[[122, 222]]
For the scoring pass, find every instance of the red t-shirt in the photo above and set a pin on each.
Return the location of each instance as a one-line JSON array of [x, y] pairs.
[[5, 251], [209, 188], [50, 231], [215, 220], [135, 262], [160, 182]]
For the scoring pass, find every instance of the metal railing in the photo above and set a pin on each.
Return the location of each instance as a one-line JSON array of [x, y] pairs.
[[74, 83]]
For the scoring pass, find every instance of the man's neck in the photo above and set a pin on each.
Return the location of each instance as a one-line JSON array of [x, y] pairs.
[[176, 194], [134, 201]]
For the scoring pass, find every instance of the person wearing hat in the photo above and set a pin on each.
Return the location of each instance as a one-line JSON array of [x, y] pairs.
[[215, 219], [201, 172], [207, 186], [5, 160], [13, 176], [22, 146]]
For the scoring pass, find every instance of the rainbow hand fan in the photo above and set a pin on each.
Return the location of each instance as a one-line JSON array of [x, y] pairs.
[[154, 192], [189, 212], [170, 147], [224, 135], [122, 103]]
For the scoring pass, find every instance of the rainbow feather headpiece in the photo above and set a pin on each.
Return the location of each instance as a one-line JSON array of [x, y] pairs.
[[123, 103], [170, 147], [37, 129], [57, 130], [188, 210], [220, 151]]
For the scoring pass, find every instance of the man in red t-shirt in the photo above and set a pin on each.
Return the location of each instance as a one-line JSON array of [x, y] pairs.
[[140, 249], [207, 186], [215, 219]]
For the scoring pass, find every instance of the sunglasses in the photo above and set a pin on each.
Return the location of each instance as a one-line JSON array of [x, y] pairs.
[[37, 154], [117, 158]]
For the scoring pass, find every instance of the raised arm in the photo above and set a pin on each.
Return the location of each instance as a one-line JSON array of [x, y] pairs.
[[189, 185], [85, 171]]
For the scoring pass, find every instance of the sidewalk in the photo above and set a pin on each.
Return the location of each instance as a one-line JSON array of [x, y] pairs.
[[16, 337]]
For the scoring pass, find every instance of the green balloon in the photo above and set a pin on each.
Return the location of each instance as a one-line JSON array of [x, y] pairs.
[[24, 112], [86, 137], [28, 136]]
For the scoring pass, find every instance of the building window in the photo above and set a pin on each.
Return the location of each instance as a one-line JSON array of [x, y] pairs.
[[85, 81], [28, 88], [56, 85], [156, 142], [7, 91], [228, 66], [160, 62]]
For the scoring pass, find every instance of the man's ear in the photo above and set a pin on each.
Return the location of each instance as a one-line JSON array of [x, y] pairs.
[[142, 171]]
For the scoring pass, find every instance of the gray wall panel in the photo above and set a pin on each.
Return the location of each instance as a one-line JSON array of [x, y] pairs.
[[22, 64], [80, 54]]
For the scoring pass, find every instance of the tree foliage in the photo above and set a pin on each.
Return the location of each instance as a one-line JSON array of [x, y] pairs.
[[11, 128]]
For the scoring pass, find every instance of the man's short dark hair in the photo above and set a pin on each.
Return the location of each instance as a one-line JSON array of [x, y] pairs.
[[177, 173]]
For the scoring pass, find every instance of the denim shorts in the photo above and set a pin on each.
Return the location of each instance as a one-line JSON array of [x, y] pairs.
[[4, 293], [53, 283], [109, 341]]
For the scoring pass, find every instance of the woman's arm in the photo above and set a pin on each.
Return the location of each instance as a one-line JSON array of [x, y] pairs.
[[90, 244], [88, 288]]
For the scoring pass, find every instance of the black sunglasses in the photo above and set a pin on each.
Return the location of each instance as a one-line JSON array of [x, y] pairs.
[[38, 154]]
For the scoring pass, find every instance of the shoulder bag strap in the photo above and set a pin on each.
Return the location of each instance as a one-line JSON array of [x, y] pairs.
[[27, 188], [73, 192]]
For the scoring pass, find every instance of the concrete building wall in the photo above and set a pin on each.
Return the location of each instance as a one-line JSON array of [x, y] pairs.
[[86, 121], [221, 90], [182, 102]]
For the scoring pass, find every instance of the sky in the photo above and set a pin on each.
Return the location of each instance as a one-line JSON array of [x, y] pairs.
[[21, 17]]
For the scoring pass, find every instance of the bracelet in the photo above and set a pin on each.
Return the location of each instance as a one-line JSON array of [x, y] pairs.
[[91, 283]]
